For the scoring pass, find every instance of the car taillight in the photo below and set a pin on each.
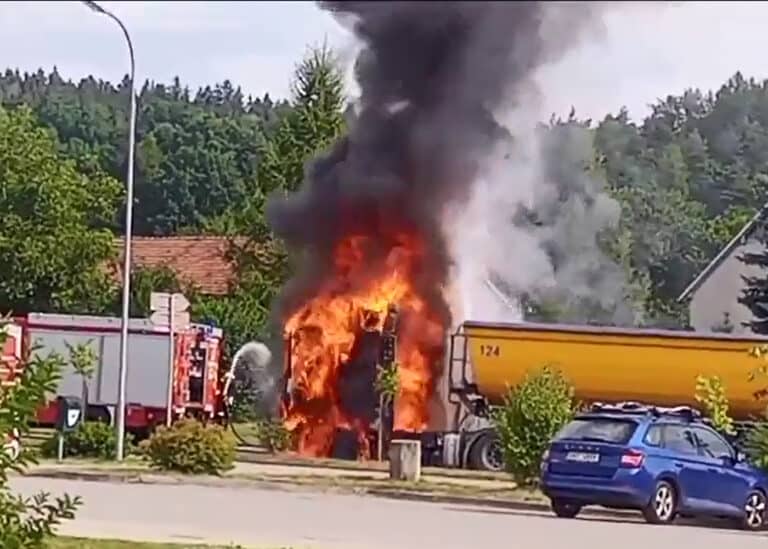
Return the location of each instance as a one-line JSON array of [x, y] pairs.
[[632, 459]]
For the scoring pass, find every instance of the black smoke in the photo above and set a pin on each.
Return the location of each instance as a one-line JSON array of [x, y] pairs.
[[431, 75]]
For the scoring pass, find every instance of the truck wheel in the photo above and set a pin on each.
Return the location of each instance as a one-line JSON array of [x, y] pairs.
[[486, 454]]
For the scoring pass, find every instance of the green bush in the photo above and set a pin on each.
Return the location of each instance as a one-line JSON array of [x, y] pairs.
[[532, 413], [273, 435], [756, 444], [189, 446], [91, 439], [756, 439], [28, 522], [710, 393]]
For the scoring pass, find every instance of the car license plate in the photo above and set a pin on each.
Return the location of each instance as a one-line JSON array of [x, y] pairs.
[[582, 457]]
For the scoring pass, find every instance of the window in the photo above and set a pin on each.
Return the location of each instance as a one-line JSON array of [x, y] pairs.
[[712, 445], [615, 431], [680, 439], [653, 436]]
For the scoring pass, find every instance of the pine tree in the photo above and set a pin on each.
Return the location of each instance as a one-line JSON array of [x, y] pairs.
[[754, 296]]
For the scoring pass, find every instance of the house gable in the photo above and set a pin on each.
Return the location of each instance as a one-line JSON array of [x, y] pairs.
[[717, 296], [713, 295], [741, 238]]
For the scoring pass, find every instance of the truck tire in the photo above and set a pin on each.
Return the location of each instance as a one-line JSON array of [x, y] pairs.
[[486, 453]]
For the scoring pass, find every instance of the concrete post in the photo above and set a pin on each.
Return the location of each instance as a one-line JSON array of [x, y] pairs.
[[405, 460]]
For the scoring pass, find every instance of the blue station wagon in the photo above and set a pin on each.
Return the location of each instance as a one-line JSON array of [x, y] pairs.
[[663, 462]]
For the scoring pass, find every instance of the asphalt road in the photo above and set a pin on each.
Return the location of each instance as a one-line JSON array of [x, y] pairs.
[[262, 518]]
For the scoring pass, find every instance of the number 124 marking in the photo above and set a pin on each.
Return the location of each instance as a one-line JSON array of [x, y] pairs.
[[489, 350]]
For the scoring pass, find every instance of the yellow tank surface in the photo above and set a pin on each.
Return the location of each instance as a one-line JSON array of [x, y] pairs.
[[608, 364]]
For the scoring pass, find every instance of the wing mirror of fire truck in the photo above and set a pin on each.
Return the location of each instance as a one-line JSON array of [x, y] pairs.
[[70, 413]]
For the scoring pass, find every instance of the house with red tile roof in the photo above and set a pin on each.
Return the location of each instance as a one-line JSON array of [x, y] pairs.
[[202, 261]]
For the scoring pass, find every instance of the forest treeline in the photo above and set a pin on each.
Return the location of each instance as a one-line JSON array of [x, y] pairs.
[[687, 177]]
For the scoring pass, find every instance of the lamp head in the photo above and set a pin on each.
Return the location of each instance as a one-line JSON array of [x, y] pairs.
[[94, 6]]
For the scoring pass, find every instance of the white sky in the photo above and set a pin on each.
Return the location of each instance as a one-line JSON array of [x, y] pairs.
[[645, 54]]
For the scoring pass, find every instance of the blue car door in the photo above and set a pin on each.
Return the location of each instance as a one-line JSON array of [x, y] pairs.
[[726, 487], [687, 465]]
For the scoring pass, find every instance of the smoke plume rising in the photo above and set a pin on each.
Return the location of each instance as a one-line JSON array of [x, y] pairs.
[[532, 229], [424, 145], [257, 373]]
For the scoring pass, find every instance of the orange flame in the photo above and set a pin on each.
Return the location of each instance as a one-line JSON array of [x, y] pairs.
[[355, 298]]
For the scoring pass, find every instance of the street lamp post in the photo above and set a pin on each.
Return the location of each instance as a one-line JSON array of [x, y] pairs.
[[120, 419]]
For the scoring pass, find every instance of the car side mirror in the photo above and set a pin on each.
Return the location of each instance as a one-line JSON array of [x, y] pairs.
[[732, 460]]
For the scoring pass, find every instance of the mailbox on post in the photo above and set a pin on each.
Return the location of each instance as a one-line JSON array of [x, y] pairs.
[[70, 413]]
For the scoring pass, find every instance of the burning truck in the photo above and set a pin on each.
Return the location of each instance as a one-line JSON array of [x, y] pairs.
[[372, 226], [373, 231], [331, 403]]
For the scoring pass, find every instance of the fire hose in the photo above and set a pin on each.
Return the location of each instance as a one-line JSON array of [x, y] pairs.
[[263, 356], [499, 294]]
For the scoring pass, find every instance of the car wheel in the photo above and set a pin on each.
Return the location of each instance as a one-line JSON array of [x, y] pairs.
[[754, 512], [662, 507], [565, 509]]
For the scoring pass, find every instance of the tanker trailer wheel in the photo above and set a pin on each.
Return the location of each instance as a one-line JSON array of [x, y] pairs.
[[487, 454]]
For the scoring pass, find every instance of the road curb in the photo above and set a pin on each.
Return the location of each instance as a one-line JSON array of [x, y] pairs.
[[394, 494], [458, 500], [269, 459], [170, 479], [86, 476]]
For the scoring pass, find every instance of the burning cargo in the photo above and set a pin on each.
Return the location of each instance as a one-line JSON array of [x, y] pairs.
[[335, 346]]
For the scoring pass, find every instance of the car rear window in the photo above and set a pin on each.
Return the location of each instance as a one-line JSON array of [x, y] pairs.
[[615, 431]]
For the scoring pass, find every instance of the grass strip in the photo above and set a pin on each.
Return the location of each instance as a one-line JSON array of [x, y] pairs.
[[85, 543]]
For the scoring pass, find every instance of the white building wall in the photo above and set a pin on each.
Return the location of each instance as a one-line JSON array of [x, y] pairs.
[[718, 294]]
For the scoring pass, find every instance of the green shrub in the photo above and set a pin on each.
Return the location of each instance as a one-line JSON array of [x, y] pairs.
[[532, 413], [710, 393], [756, 439], [91, 439], [28, 522], [273, 435], [189, 446], [756, 444]]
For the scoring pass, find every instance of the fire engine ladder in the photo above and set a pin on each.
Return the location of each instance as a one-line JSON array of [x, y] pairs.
[[464, 390]]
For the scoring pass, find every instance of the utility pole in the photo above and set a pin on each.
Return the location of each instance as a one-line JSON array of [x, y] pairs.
[[125, 318]]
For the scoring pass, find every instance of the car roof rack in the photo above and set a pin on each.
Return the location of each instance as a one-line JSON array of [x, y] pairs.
[[635, 408]]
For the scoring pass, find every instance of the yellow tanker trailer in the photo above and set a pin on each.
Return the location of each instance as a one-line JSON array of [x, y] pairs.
[[603, 364]]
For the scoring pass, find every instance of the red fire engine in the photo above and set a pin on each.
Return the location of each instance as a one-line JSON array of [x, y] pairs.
[[195, 380]]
